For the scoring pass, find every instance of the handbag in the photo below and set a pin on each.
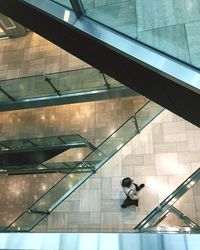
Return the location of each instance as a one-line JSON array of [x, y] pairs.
[[129, 201]]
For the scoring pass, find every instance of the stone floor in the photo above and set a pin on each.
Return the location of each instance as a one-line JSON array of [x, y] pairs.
[[162, 156], [95, 121]]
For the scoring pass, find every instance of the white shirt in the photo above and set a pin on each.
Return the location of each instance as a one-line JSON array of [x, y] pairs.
[[131, 192]]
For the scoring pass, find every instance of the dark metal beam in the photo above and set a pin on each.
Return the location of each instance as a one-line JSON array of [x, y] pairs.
[[161, 87], [6, 94], [85, 96], [47, 79], [77, 7]]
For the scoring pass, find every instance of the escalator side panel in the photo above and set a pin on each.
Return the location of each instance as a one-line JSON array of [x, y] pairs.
[[165, 90]]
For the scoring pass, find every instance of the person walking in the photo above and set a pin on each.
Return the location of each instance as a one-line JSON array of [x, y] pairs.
[[131, 190]]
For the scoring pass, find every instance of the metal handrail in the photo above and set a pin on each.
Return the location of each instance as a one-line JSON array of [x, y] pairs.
[[162, 208]]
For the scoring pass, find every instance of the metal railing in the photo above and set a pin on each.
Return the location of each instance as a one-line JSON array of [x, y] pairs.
[[164, 207], [69, 183], [54, 84]]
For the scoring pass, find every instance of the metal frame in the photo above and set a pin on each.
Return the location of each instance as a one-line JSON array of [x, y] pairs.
[[77, 7], [89, 96], [98, 241], [159, 77], [183, 217], [163, 208], [6, 94], [107, 84], [47, 79]]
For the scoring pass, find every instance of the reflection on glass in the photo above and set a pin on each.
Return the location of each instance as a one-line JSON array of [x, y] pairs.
[[118, 15], [25, 222], [55, 84], [41, 142], [56, 193], [56, 167], [2, 33], [119, 138], [64, 3], [27, 87], [146, 114], [171, 220], [93, 161], [155, 23], [16, 144], [189, 203], [182, 202]]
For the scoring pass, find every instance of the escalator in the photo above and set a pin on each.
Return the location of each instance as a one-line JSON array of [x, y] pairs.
[[110, 37], [25, 155], [56, 167], [169, 215], [78, 173]]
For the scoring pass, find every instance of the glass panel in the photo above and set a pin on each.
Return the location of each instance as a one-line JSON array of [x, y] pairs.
[[47, 168], [184, 212], [94, 160], [64, 3], [25, 222], [145, 115], [3, 97], [71, 138], [58, 191], [74, 81], [171, 220], [2, 33], [112, 82], [18, 144], [44, 141], [85, 79], [27, 87], [119, 138], [119, 15], [155, 23], [48, 141], [64, 167], [181, 196], [56, 165], [189, 203]]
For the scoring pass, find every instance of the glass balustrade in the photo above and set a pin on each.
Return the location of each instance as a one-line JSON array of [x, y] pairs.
[[55, 84], [93, 161], [33, 143], [55, 167], [169, 26], [63, 2], [173, 211], [175, 218]]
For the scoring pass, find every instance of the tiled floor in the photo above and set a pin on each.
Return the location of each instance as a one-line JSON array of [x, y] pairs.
[[161, 157], [94, 121]]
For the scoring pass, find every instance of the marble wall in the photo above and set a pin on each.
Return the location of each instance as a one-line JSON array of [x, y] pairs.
[[34, 55]]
